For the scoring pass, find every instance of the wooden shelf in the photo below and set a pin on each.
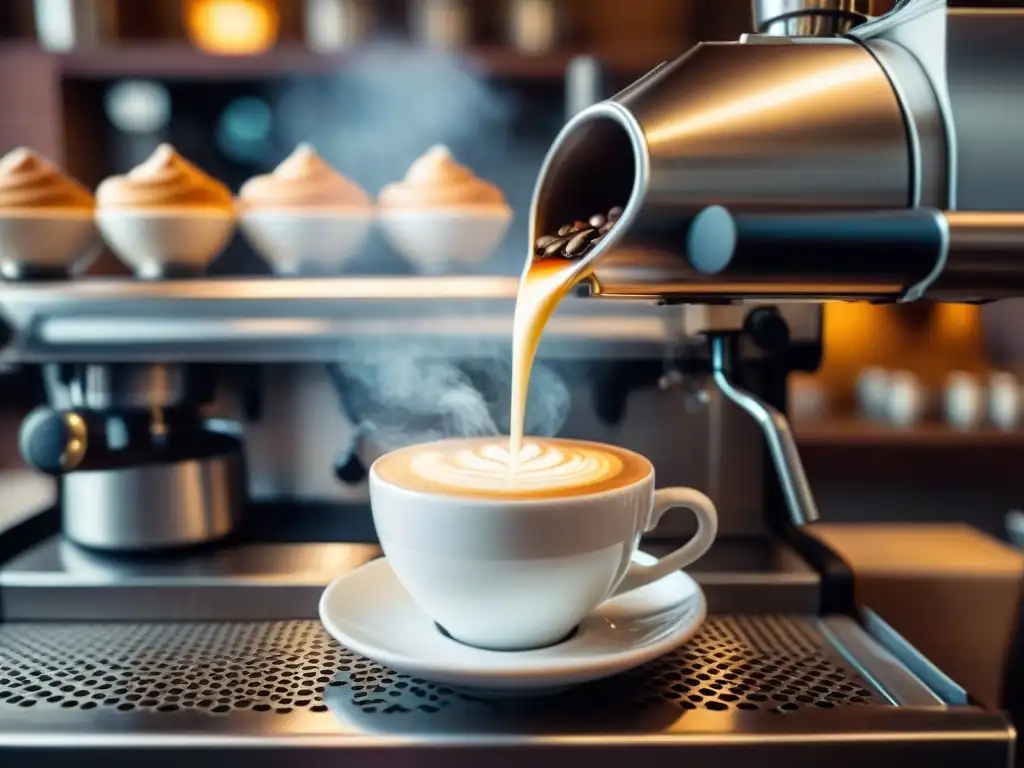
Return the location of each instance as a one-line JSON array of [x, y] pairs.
[[855, 452], [179, 61], [855, 432]]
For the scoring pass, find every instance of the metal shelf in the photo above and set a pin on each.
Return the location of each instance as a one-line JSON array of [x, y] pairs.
[[295, 320]]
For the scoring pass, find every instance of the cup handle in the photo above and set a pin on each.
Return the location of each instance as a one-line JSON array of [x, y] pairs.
[[707, 527]]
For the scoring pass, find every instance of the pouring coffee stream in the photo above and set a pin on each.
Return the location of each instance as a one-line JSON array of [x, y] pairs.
[[556, 263]]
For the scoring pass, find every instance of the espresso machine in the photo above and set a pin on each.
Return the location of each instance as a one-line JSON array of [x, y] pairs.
[[842, 150]]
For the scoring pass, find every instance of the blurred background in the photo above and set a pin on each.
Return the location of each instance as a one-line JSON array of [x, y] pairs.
[[904, 393]]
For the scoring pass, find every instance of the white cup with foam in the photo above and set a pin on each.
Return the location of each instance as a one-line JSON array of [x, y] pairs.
[[519, 571]]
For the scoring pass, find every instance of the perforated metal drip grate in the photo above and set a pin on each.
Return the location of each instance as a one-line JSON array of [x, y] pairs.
[[777, 664]]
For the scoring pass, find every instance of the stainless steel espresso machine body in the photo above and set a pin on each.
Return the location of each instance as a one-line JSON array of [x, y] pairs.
[[756, 176], [883, 165]]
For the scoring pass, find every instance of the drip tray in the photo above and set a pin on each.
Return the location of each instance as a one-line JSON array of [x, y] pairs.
[[777, 689]]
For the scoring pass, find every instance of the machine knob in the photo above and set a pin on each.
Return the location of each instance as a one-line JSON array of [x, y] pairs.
[[768, 328], [53, 442]]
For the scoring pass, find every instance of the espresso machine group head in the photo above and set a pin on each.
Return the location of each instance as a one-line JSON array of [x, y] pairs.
[[878, 162]]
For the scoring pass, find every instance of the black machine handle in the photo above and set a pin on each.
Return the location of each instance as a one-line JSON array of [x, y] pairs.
[[902, 254], [901, 244]]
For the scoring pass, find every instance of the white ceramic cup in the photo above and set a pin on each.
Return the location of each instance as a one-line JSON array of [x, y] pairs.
[[963, 400], [906, 399], [1004, 400], [873, 392], [521, 574]]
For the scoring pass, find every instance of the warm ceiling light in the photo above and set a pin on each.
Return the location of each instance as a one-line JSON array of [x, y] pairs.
[[232, 27]]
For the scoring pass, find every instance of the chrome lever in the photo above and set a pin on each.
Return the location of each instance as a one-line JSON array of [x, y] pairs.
[[781, 444]]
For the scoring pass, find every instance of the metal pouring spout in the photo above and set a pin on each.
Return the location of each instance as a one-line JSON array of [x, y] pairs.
[[752, 127]]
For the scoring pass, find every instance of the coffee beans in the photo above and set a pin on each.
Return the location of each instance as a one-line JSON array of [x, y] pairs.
[[555, 247], [579, 242], [574, 240]]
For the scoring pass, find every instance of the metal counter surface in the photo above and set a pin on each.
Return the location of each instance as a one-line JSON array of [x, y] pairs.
[[218, 657], [284, 556], [777, 690]]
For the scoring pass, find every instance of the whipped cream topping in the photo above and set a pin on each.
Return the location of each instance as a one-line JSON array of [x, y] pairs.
[[437, 180], [489, 467], [166, 179], [29, 180], [303, 179]]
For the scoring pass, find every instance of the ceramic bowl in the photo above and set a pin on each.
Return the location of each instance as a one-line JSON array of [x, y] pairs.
[[296, 241], [46, 241], [432, 240], [163, 242]]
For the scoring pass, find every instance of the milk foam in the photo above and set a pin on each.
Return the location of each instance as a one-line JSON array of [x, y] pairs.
[[438, 180], [165, 180], [28, 180], [302, 179], [489, 467]]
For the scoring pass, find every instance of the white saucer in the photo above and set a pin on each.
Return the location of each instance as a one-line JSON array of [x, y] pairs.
[[368, 611]]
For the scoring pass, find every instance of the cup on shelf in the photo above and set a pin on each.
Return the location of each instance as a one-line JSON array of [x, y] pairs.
[[46, 219], [906, 399], [963, 401], [304, 216], [165, 217], [433, 240], [442, 214], [44, 242], [873, 393], [1003, 400], [297, 241], [163, 242]]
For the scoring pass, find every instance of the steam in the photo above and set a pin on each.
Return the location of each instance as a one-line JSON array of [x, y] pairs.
[[409, 396], [371, 121]]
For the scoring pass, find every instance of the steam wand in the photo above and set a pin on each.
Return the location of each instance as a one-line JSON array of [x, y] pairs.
[[781, 445]]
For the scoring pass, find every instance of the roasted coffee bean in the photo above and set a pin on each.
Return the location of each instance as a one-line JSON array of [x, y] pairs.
[[556, 246], [579, 242], [575, 240], [545, 241]]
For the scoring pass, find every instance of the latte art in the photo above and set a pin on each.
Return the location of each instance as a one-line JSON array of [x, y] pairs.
[[484, 468], [490, 467]]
